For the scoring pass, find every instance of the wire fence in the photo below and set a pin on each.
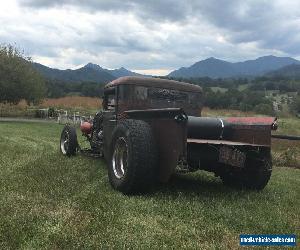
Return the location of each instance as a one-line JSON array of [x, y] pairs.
[[75, 118]]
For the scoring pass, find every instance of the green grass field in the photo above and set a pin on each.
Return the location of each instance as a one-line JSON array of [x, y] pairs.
[[54, 202]]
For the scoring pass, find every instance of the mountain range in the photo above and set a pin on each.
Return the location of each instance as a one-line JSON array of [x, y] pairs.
[[88, 73], [210, 67], [289, 71], [215, 68]]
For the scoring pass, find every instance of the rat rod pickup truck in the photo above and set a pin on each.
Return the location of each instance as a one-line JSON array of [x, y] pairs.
[[151, 127]]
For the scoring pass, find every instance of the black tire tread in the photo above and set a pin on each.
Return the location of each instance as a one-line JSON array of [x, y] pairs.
[[255, 175], [142, 156], [73, 143]]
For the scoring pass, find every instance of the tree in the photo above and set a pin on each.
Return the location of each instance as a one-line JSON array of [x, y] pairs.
[[18, 79], [264, 108], [296, 105]]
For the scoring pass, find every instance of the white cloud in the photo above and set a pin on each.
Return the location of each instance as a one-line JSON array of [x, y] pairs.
[[149, 36]]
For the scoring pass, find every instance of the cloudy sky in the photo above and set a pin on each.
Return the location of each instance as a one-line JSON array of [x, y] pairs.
[[149, 36]]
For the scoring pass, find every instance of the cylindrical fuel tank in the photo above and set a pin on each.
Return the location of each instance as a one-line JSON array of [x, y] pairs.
[[205, 128]]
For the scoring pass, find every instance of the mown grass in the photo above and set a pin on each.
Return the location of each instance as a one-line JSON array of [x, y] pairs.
[[54, 202], [286, 152]]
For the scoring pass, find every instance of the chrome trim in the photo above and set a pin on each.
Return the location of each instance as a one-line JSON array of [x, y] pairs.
[[120, 158]]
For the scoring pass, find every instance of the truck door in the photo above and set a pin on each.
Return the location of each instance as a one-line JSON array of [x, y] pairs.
[[109, 121]]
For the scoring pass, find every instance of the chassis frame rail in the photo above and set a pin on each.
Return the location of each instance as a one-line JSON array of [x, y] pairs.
[[287, 137]]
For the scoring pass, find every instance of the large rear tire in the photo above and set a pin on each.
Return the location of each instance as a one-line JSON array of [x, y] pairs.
[[133, 157], [258, 171], [255, 175], [68, 141]]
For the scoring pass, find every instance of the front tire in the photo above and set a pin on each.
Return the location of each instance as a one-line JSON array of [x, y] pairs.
[[68, 141], [133, 157]]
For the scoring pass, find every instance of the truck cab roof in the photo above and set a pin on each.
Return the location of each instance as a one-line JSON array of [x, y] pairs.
[[154, 82]]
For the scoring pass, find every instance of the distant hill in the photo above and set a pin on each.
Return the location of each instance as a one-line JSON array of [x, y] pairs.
[[89, 73], [114, 72], [290, 71], [210, 67], [215, 68], [123, 72]]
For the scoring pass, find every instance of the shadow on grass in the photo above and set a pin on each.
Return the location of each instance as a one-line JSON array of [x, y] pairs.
[[200, 184], [57, 177]]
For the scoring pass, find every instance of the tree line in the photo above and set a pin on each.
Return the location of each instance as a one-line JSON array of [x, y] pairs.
[[252, 95], [57, 88], [242, 100]]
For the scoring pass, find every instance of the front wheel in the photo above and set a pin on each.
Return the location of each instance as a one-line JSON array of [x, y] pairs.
[[68, 141], [133, 157]]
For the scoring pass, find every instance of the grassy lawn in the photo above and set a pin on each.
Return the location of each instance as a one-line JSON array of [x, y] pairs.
[[51, 201]]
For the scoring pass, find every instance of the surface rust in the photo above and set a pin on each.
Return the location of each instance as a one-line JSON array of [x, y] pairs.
[[154, 82]]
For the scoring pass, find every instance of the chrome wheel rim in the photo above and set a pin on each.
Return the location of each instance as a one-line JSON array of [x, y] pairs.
[[64, 142], [119, 158]]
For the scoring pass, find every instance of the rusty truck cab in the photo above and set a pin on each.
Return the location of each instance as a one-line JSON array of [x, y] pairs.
[[164, 104]]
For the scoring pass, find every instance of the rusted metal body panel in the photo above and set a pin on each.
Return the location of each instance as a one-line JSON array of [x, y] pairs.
[[154, 82], [169, 129], [256, 135], [253, 130], [109, 124], [232, 130], [171, 141], [155, 113], [159, 96]]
